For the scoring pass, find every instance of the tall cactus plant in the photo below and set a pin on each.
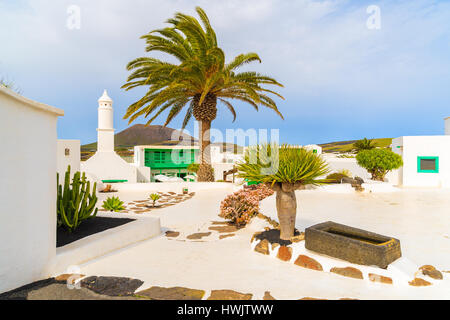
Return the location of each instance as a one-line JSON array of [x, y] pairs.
[[75, 202]]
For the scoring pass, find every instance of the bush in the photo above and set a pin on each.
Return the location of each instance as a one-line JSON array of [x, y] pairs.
[[193, 167], [239, 208], [336, 177], [295, 165], [364, 144], [345, 156], [261, 191], [242, 206], [75, 203], [285, 169], [113, 204], [378, 162]]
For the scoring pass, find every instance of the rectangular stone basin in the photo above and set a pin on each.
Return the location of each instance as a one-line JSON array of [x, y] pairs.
[[352, 244]]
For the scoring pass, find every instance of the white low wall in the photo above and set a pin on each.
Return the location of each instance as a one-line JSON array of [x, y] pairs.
[[173, 186], [143, 174], [109, 166], [337, 164], [219, 168], [102, 243]]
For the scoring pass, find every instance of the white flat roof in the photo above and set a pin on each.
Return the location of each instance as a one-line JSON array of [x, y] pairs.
[[31, 103], [167, 147]]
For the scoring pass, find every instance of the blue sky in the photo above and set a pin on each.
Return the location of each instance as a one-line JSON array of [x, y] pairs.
[[342, 80]]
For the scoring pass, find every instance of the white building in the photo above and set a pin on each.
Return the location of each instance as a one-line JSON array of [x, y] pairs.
[[173, 160], [27, 189], [106, 165], [68, 153], [314, 148], [220, 154], [426, 159]]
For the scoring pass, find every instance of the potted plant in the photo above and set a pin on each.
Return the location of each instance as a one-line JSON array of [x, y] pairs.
[[293, 169]]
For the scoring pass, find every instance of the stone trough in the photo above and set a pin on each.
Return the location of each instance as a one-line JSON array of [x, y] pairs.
[[352, 244]]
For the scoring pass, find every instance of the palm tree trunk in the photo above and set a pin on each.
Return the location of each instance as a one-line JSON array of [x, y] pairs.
[[205, 142], [287, 212], [205, 114], [205, 171]]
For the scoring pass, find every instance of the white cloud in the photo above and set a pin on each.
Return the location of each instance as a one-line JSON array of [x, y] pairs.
[[309, 44], [316, 48]]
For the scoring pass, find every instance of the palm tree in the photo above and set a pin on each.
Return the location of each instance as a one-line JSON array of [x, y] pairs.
[[297, 167], [364, 144], [197, 82]]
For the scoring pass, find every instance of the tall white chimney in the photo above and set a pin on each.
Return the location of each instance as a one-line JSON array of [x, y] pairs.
[[447, 126], [105, 142]]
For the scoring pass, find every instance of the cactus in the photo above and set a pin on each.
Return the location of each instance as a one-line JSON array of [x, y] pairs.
[[75, 202]]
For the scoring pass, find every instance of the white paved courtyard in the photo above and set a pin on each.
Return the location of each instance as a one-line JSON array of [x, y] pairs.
[[419, 218]]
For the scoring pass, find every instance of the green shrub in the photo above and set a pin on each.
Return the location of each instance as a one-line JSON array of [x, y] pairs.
[[345, 156], [364, 144], [193, 167], [345, 172], [113, 204], [295, 168], [335, 177], [378, 162], [75, 203]]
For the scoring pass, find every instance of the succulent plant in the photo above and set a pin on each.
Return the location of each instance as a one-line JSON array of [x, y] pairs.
[[113, 204], [75, 203], [154, 197], [291, 169]]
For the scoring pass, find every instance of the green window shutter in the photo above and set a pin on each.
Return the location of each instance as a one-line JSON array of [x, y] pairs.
[[428, 164]]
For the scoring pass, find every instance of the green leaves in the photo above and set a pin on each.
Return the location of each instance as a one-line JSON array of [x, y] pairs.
[[201, 71], [379, 162], [287, 164], [364, 144], [155, 197], [75, 203], [193, 167], [113, 204]]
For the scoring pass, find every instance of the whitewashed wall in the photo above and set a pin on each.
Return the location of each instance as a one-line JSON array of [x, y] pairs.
[[27, 190], [174, 186], [73, 159], [143, 174], [412, 147], [337, 164], [109, 166], [219, 168]]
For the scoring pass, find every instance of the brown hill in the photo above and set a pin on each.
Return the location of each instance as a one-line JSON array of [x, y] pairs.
[[140, 134]]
